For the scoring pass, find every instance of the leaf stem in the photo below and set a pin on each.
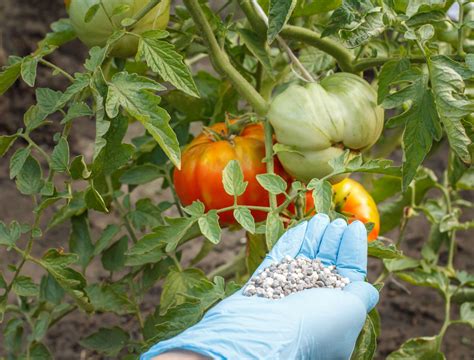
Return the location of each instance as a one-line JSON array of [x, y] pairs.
[[173, 193], [269, 159], [142, 13], [57, 68], [30, 142], [250, 207], [221, 61], [461, 29]]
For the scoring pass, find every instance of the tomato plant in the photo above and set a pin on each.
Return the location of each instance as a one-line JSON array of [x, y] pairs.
[[330, 89]]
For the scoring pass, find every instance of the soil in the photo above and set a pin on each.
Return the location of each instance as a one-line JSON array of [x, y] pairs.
[[22, 24]]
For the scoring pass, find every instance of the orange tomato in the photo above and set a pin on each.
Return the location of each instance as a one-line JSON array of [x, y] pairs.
[[204, 159], [351, 199]]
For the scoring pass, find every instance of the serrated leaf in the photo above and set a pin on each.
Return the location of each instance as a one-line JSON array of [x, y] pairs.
[[418, 348], [105, 238], [77, 110], [78, 168], [29, 179], [94, 200], [279, 13], [80, 241], [108, 341], [113, 259], [197, 208], [6, 141], [258, 48], [245, 219], [24, 286], [62, 32], [452, 105], [233, 179], [366, 342], [389, 72], [109, 298], [162, 58], [322, 195], [29, 66], [60, 156], [8, 77], [177, 283], [141, 174], [273, 229], [467, 313], [381, 250], [209, 226], [273, 183]]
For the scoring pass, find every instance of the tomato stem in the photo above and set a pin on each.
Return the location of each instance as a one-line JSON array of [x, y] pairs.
[[269, 158]]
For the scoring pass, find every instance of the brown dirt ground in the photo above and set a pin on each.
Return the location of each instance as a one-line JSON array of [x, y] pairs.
[[22, 23]]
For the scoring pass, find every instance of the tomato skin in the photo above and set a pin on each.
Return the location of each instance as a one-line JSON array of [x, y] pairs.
[[350, 198], [320, 120], [97, 31], [203, 161]]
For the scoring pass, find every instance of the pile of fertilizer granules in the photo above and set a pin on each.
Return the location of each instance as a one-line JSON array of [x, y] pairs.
[[293, 275]]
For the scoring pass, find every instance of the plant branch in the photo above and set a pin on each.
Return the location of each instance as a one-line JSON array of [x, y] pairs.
[[269, 159], [342, 56], [461, 29], [221, 61], [57, 68]]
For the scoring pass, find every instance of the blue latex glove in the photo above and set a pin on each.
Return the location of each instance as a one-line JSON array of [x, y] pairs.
[[311, 324]]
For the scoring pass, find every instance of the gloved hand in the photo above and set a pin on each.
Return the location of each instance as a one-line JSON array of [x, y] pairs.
[[311, 324]]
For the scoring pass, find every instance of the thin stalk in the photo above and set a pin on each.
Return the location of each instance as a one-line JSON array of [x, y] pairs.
[[269, 158], [173, 193], [447, 319], [106, 13], [294, 60], [36, 146], [251, 207], [142, 13], [57, 68], [461, 29], [342, 56], [221, 61]]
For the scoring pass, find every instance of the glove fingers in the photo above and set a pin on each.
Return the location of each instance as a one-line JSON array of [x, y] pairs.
[[330, 242], [365, 292], [352, 255], [313, 235]]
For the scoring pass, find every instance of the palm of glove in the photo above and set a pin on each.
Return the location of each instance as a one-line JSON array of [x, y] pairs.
[[312, 324]]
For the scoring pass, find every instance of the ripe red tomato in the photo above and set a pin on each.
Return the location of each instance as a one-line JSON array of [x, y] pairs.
[[204, 159], [351, 199]]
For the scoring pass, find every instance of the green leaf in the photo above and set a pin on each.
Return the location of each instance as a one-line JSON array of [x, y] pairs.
[[422, 124], [356, 22], [94, 200], [315, 61], [274, 184], [467, 313], [62, 32], [39, 351], [110, 298], [9, 234], [113, 259], [6, 141], [152, 257], [78, 168], [105, 238], [80, 241], [245, 219], [130, 92], [177, 229], [91, 12], [24, 286], [76, 110], [141, 174], [50, 290], [8, 77], [29, 179], [279, 13], [120, 9], [452, 105], [432, 279], [257, 250], [233, 179], [60, 156], [162, 58], [389, 72], [29, 66], [197, 208], [415, 6], [48, 100], [41, 325], [322, 195], [422, 348], [177, 283], [273, 229], [108, 341], [258, 48], [209, 226], [366, 342], [383, 251]]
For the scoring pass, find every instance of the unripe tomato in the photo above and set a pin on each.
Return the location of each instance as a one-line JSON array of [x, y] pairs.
[[204, 159], [319, 121], [104, 23], [351, 199]]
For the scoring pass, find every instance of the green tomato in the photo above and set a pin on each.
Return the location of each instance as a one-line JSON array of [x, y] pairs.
[[105, 22], [319, 121]]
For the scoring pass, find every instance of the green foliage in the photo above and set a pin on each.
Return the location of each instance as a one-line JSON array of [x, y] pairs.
[[140, 245]]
